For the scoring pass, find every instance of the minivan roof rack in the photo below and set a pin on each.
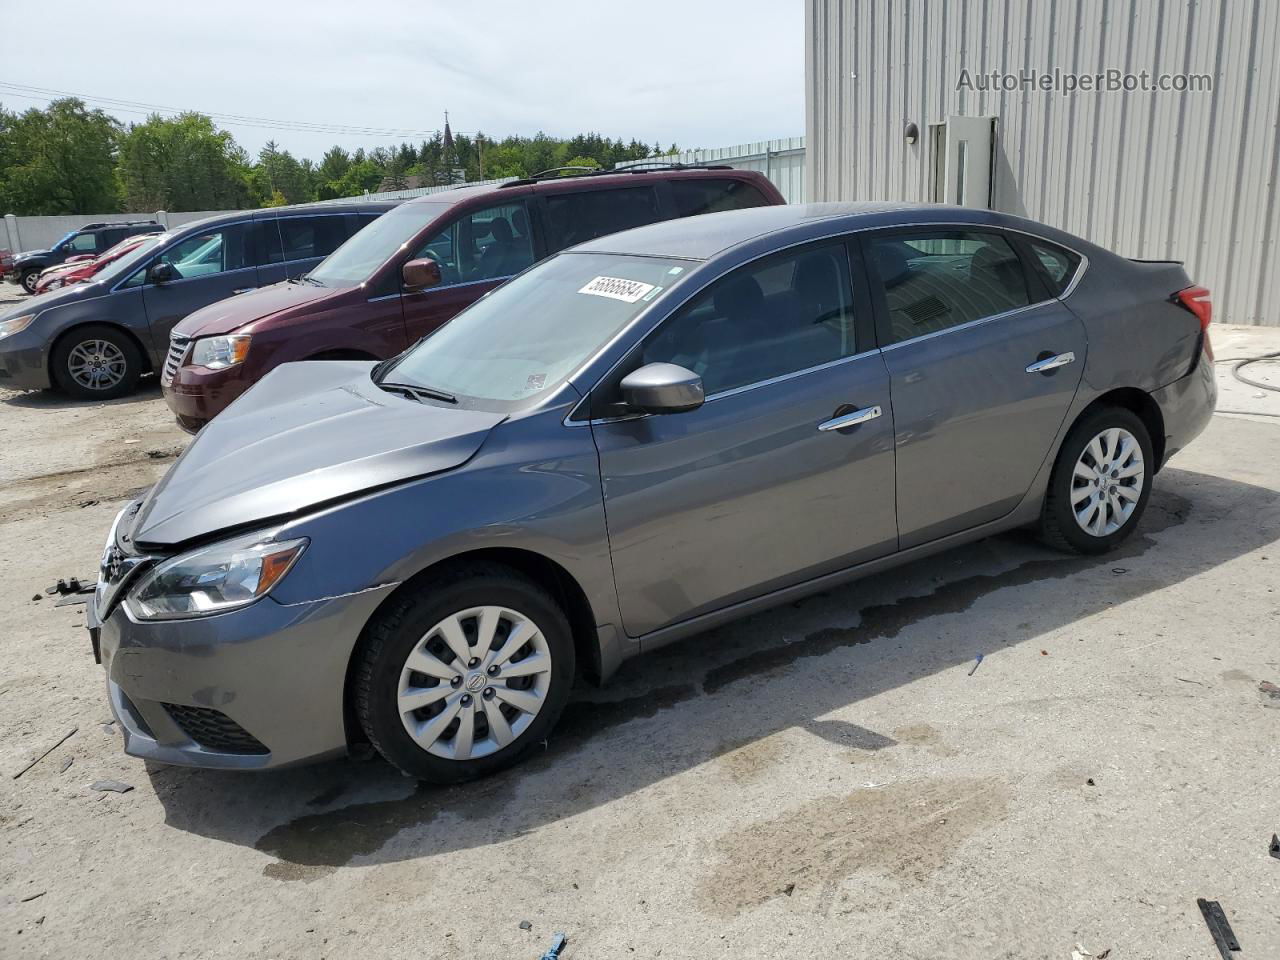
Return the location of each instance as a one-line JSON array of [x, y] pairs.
[[649, 166], [116, 223]]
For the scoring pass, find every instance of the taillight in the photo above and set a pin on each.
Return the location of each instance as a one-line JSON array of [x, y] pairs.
[[1196, 299]]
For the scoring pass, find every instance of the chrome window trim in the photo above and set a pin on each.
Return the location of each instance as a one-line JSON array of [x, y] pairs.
[[840, 234], [385, 296], [467, 283], [176, 240], [970, 324], [734, 391]]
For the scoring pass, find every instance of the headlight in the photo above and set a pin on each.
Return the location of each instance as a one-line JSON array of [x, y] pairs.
[[216, 353], [55, 284], [16, 324], [214, 579]]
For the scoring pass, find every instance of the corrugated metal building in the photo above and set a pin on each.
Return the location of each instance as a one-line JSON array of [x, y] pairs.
[[1188, 175]]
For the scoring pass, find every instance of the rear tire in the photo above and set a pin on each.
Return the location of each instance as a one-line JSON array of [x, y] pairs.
[[1100, 484], [96, 362], [443, 686]]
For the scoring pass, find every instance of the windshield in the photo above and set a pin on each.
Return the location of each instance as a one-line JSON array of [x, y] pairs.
[[355, 261], [65, 237], [528, 335], [134, 257]]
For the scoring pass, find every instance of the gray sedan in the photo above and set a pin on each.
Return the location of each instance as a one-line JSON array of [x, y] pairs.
[[631, 442]]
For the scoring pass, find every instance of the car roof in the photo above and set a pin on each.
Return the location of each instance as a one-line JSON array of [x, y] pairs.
[[706, 236], [626, 177], [295, 210]]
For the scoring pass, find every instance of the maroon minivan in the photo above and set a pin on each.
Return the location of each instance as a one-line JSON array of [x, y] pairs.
[[413, 268]]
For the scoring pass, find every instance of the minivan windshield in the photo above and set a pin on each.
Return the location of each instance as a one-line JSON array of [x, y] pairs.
[[526, 337], [354, 262]]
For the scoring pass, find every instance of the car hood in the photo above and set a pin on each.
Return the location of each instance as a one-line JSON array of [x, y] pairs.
[[306, 434], [54, 298], [234, 312], [28, 255]]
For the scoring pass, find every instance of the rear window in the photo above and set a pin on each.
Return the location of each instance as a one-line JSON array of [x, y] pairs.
[[1058, 265], [574, 218], [694, 197], [301, 238]]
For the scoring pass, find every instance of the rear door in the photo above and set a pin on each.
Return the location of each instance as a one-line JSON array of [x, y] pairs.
[[963, 323], [208, 267], [290, 246], [761, 487], [476, 251]]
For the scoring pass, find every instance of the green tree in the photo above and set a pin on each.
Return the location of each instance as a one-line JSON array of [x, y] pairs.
[[58, 160], [182, 164]]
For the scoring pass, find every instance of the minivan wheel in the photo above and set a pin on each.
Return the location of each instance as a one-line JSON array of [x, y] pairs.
[[97, 362], [1101, 483], [459, 678], [29, 279]]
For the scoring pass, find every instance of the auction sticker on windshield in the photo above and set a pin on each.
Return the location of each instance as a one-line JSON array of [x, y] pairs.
[[617, 288]]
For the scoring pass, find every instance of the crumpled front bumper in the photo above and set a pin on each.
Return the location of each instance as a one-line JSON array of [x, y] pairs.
[[255, 688]]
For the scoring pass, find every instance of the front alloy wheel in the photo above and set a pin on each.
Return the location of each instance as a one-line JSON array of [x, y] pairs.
[[474, 683], [458, 677]]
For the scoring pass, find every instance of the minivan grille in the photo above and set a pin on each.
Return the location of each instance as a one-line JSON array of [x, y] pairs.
[[214, 730], [178, 347]]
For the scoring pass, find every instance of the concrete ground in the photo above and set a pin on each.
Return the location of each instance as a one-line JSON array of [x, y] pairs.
[[829, 779]]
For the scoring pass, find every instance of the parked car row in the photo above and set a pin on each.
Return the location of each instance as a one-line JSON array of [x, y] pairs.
[[165, 308], [88, 242], [640, 437]]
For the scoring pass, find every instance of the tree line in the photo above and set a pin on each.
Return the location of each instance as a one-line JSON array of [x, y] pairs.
[[67, 158]]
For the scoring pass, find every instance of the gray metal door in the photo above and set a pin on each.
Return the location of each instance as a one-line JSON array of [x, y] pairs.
[[746, 494], [972, 424]]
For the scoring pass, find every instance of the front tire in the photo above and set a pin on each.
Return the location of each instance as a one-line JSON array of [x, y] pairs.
[[459, 678], [96, 362], [29, 279], [1100, 484]]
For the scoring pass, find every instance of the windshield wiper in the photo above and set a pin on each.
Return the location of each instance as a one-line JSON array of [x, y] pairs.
[[310, 279], [418, 393]]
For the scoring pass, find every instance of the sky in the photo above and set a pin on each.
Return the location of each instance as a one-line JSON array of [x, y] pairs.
[[696, 74]]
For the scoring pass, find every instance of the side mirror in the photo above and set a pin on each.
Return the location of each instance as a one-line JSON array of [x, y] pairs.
[[161, 272], [420, 274], [662, 388]]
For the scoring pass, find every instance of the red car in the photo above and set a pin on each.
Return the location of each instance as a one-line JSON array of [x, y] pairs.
[[82, 269], [413, 268]]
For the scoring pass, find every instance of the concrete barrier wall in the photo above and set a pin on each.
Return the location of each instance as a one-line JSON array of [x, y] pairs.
[[39, 233]]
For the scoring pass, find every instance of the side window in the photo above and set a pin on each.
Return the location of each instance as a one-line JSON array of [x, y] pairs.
[[1059, 265], [83, 243], [939, 279], [692, 197], [485, 245], [578, 217], [207, 254], [300, 238], [786, 313]]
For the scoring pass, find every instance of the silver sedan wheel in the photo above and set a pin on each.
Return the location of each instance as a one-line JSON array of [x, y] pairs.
[[474, 682], [96, 364], [1107, 482]]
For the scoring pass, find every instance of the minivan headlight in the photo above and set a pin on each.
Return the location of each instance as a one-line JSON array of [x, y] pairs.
[[15, 324], [217, 353], [214, 579]]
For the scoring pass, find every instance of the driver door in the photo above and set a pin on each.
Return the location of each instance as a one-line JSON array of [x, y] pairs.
[[476, 252], [207, 268]]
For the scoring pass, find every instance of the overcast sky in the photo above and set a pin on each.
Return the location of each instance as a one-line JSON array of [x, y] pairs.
[[699, 74]]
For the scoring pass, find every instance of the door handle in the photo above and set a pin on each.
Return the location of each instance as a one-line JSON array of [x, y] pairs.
[[1052, 363], [850, 419], [244, 289]]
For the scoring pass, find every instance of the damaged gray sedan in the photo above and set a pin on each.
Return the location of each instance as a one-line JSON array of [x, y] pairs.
[[638, 439]]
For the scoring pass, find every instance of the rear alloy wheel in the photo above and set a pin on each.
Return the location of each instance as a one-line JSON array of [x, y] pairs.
[[1101, 482], [459, 680], [97, 363]]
